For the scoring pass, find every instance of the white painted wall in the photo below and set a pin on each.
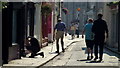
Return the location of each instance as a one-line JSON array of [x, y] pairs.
[[110, 17], [50, 35], [37, 22]]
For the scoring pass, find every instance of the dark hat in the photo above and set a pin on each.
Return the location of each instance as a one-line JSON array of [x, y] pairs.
[[100, 14]]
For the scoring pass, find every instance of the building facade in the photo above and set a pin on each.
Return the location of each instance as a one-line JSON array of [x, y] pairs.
[[111, 15]]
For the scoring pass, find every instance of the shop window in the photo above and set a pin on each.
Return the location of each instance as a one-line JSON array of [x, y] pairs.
[[14, 27]]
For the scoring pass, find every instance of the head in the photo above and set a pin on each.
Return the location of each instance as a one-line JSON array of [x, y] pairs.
[[72, 23], [59, 19], [27, 40], [100, 16], [90, 20]]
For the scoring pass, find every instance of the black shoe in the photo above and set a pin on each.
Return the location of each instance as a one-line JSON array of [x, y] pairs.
[[88, 58], [99, 60], [56, 51], [31, 56], [91, 57], [95, 58], [63, 50], [41, 54]]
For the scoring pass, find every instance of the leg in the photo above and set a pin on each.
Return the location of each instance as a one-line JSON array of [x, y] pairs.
[[96, 51], [91, 48], [41, 54], [88, 57], [62, 43], [77, 33], [88, 48], [57, 45], [91, 53], [101, 50], [33, 54]]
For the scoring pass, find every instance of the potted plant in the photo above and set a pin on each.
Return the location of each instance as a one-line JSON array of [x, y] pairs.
[[65, 10], [113, 5], [46, 9]]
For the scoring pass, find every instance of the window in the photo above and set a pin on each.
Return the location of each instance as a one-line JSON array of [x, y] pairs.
[[14, 27]]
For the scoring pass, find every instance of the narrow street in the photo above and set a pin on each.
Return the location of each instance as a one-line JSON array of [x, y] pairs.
[[75, 56], [31, 30]]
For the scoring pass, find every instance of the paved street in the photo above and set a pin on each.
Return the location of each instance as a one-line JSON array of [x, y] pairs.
[[75, 56]]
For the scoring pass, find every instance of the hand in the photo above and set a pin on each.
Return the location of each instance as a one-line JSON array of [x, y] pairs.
[[82, 36]]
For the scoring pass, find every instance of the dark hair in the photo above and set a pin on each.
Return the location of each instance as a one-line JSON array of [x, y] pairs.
[[100, 15], [90, 20], [59, 20]]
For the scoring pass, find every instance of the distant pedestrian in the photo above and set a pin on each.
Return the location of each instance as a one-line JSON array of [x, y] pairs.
[[77, 29], [61, 28], [72, 30], [99, 29], [89, 37], [33, 46]]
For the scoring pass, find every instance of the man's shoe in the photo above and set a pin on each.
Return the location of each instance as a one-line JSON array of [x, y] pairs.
[[91, 57], [99, 60], [31, 56], [88, 58], [56, 51], [41, 54], [95, 58]]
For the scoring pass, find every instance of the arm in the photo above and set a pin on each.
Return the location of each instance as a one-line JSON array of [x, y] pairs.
[[93, 28], [106, 30], [54, 32]]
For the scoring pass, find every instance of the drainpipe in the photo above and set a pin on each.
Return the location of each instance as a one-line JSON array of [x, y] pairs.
[[1, 33], [119, 27]]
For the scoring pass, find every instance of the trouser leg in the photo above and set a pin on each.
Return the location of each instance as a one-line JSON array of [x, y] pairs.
[[101, 50], [96, 50], [62, 43], [57, 45]]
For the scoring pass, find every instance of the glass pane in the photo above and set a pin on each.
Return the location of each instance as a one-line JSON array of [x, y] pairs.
[[14, 27]]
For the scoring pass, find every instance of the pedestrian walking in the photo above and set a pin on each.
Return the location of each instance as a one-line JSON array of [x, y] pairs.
[[99, 29], [61, 28], [72, 30], [88, 37], [32, 45], [77, 29]]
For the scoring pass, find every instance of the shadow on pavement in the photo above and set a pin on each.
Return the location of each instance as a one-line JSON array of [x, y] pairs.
[[95, 62], [83, 60], [52, 53]]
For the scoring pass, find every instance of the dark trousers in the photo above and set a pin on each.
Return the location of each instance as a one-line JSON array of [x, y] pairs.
[[77, 32], [99, 43], [62, 44], [33, 49]]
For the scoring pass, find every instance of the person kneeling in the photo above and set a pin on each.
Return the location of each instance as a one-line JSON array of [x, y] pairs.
[[33, 46]]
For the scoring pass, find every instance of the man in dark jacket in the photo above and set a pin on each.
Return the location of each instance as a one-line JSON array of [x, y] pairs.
[[99, 29], [33, 47]]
